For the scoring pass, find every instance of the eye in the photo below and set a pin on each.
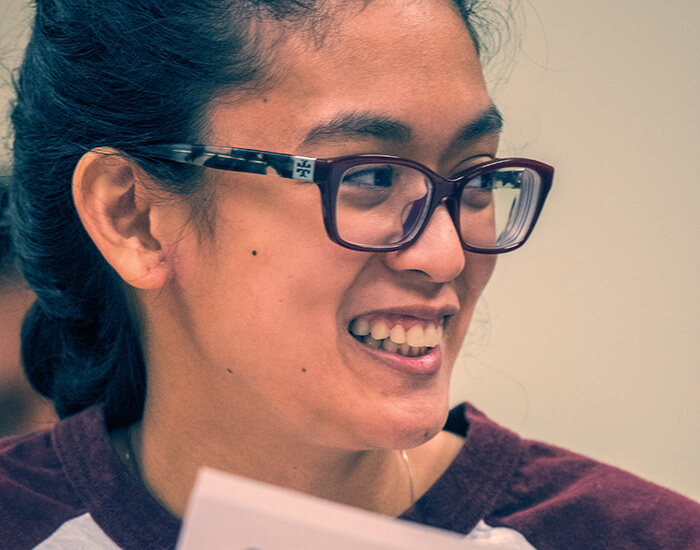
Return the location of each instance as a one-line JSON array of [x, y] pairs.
[[478, 192], [370, 176], [476, 198]]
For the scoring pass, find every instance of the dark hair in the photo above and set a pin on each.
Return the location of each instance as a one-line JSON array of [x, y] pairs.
[[125, 75], [5, 243]]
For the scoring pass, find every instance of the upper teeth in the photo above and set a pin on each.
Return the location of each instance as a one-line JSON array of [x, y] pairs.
[[416, 336]]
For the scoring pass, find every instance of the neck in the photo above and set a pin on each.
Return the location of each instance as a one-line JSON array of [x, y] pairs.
[[167, 462]]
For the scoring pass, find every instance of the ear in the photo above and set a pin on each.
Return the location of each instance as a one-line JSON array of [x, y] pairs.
[[113, 203]]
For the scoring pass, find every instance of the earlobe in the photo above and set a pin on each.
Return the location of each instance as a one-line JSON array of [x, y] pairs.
[[112, 204]]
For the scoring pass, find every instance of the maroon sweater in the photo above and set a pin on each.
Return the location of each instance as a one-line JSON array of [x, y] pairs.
[[70, 479]]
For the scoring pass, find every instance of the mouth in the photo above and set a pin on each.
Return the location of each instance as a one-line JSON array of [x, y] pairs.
[[396, 334]]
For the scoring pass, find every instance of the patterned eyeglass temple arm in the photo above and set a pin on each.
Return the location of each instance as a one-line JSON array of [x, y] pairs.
[[239, 160]]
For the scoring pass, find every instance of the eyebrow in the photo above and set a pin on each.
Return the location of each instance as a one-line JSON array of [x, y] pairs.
[[490, 121], [358, 125], [366, 124]]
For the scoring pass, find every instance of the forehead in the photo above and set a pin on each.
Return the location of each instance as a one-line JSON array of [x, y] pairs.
[[409, 61]]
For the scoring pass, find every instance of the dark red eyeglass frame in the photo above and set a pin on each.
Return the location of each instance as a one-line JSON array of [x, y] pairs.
[[327, 174]]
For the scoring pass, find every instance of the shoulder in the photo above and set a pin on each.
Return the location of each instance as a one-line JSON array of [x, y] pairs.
[[35, 495], [561, 499], [553, 497], [69, 488]]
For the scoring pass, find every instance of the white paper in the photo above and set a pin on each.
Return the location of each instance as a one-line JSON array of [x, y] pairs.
[[234, 513]]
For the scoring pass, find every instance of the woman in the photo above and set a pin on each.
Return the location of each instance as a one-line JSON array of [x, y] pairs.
[[193, 208]]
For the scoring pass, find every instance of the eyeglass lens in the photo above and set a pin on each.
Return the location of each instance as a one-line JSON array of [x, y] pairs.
[[381, 205]]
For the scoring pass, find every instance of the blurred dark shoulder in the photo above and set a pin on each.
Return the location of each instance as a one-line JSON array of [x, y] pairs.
[[22, 410]]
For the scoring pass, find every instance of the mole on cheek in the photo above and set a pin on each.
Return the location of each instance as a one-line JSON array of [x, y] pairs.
[[303, 370], [255, 252]]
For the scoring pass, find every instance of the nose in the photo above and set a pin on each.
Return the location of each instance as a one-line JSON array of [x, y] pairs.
[[438, 251]]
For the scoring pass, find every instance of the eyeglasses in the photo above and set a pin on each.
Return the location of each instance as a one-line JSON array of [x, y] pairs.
[[380, 203]]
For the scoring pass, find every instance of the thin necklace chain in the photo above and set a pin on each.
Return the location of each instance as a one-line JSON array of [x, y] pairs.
[[130, 456], [404, 456]]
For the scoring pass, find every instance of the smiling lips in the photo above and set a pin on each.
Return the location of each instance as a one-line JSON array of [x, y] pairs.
[[418, 339]]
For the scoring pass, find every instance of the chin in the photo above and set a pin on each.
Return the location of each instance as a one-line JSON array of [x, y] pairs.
[[410, 424]]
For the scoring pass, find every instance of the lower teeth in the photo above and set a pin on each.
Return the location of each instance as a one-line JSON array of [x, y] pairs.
[[392, 347]]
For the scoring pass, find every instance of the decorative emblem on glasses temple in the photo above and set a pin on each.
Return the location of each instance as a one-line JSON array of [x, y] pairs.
[[304, 168]]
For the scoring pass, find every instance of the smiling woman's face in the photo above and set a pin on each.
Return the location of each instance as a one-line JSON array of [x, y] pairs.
[[269, 308]]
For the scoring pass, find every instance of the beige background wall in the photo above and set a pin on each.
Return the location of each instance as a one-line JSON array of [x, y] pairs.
[[594, 334], [592, 338]]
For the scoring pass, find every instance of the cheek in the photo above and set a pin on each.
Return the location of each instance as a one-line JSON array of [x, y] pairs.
[[472, 282], [477, 272], [272, 293]]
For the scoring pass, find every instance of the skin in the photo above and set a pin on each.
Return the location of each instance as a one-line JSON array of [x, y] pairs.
[[22, 410], [251, 366]]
